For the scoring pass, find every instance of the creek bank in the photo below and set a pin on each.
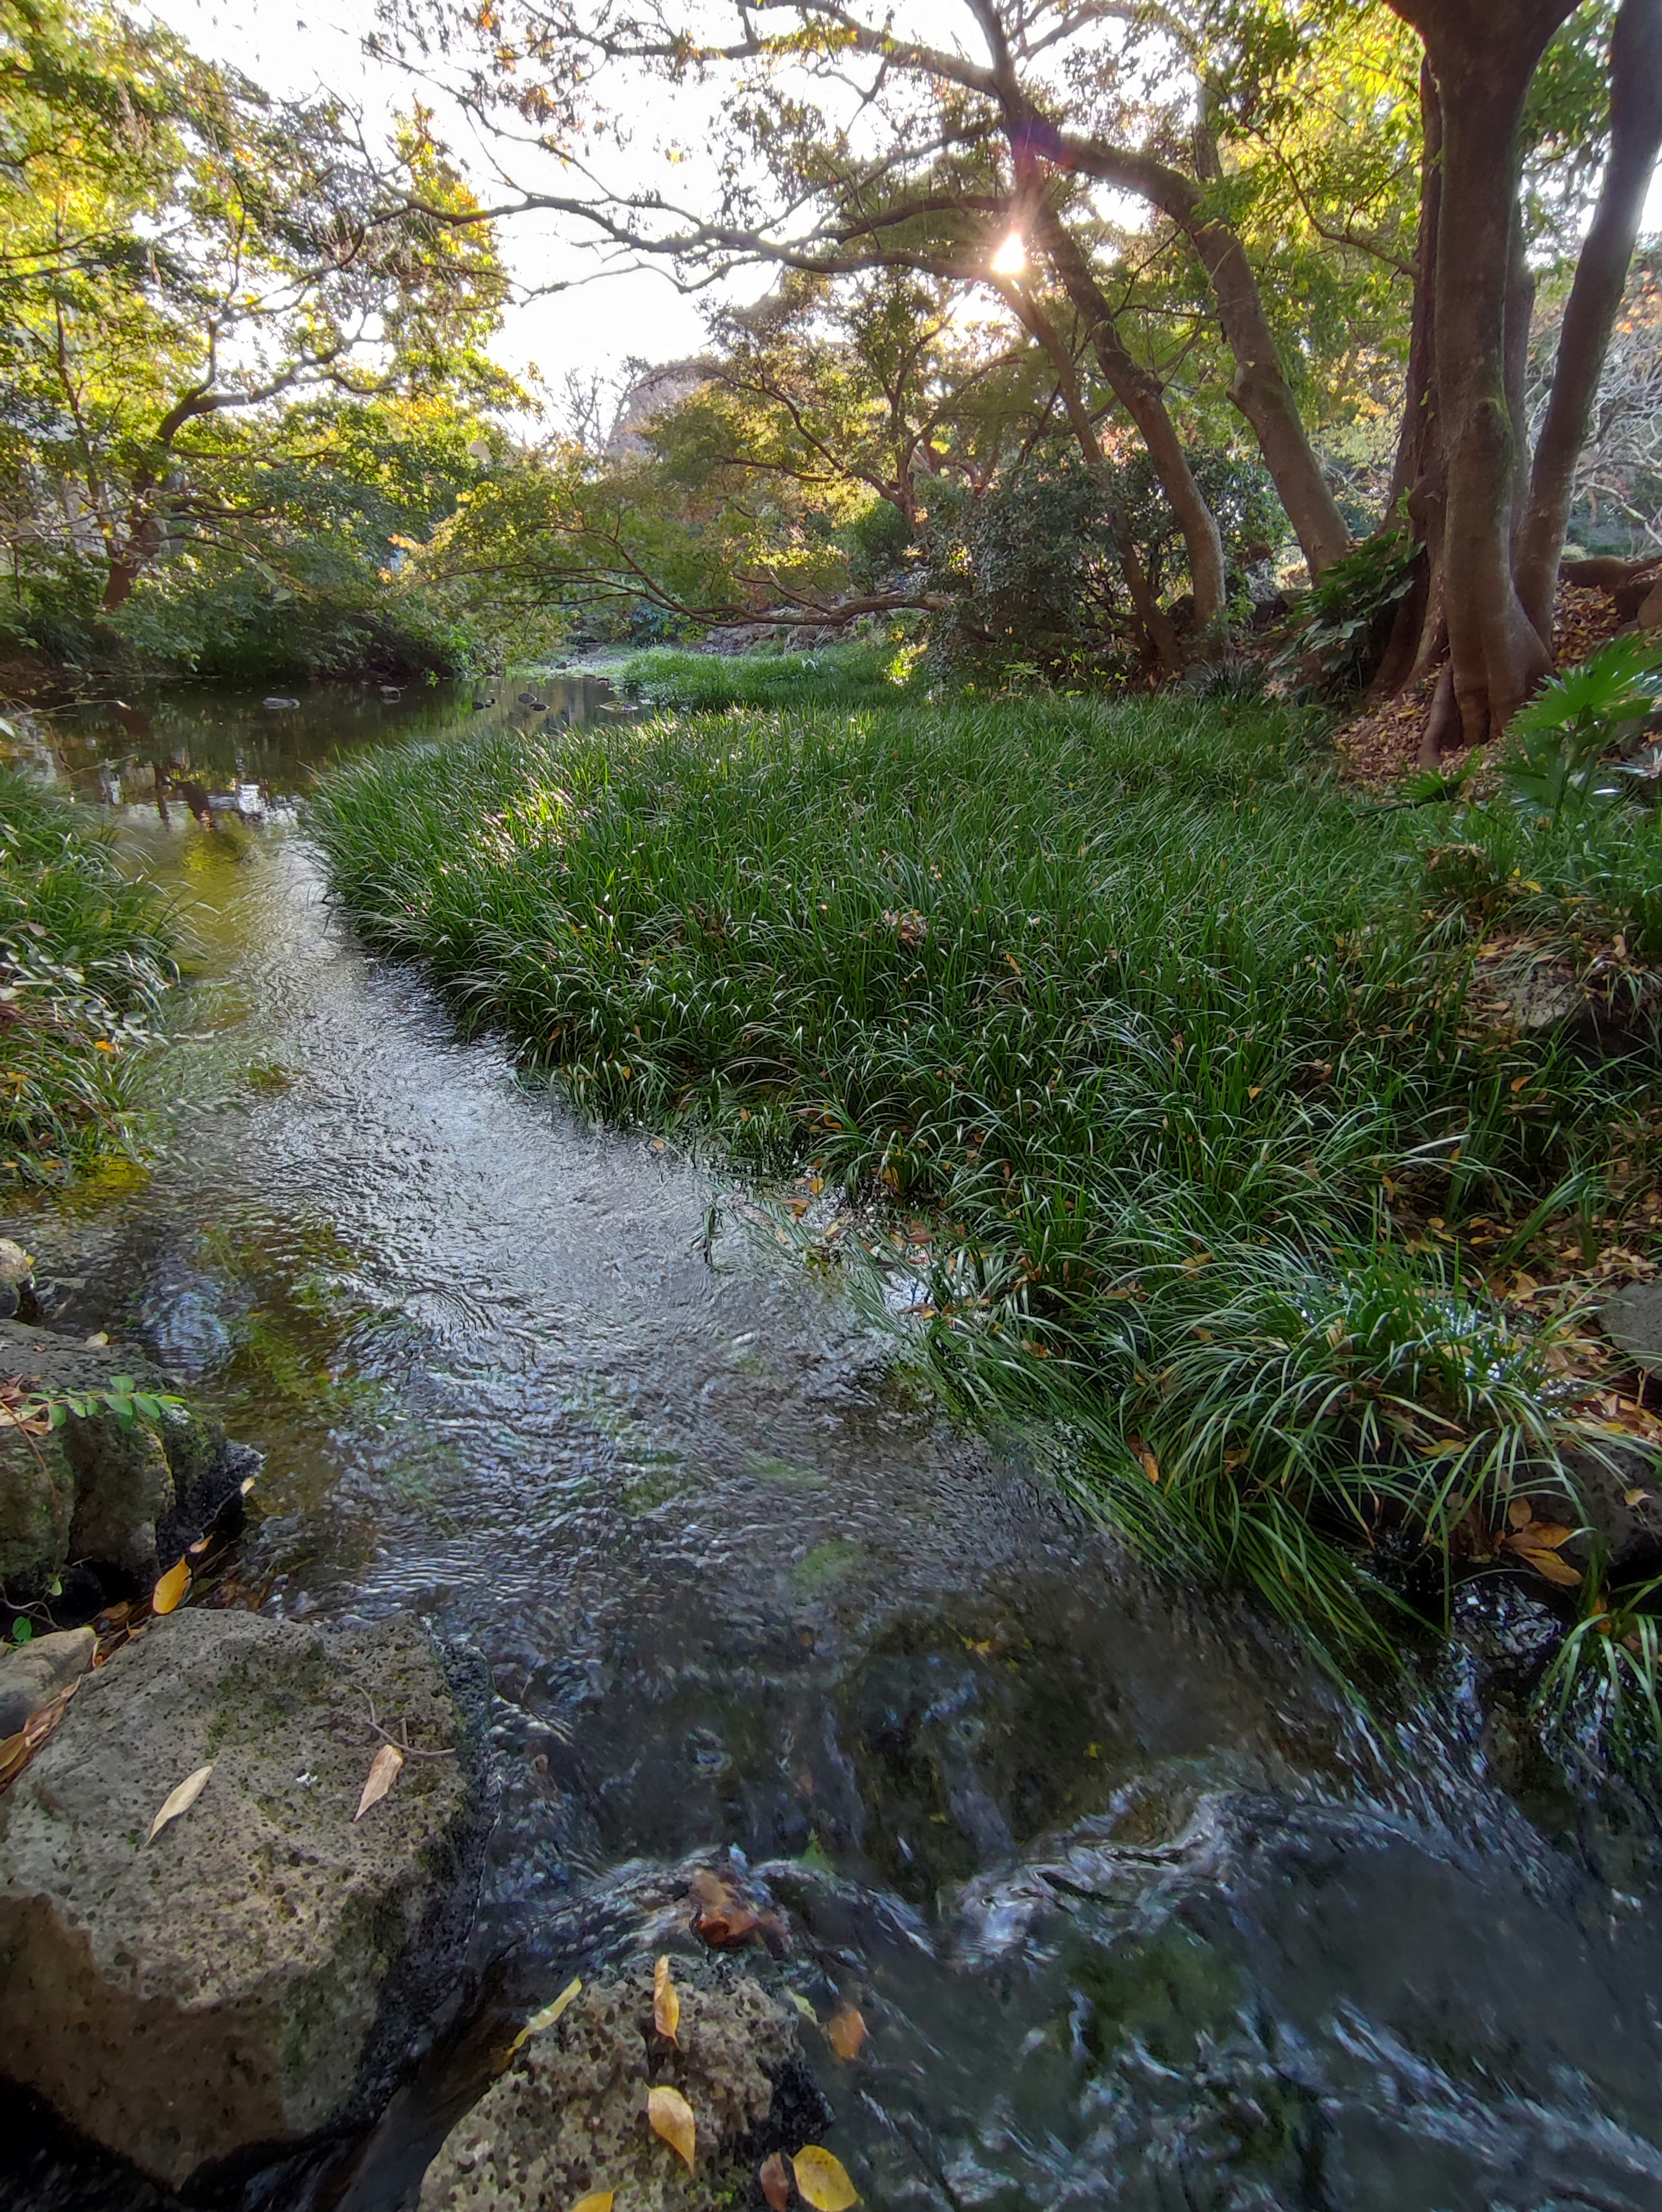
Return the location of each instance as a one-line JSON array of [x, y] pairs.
[[253, 1977], [105, 1500], [568, 2117]]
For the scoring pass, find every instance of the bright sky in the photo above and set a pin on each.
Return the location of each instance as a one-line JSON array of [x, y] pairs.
[[284, 46]]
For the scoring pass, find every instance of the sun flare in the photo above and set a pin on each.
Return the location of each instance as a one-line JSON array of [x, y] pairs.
[[1011, 257]]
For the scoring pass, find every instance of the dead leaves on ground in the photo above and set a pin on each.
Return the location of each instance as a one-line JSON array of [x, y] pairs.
[[547, 2016], [1537, 1544], [846, 2031], [776, 2182], [170, 1592], [723, 1920], [384, 1770], [670, 2116], [181, 1800], [599, 2200]]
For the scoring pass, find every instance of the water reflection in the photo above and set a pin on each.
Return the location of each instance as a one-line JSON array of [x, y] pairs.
[[1134, 1916]]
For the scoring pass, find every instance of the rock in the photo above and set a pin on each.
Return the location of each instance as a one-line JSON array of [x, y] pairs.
[[569, 2116], [1622, 1502], [254, 1976], [94, 1489], [1633, 1322], [1650, 607], [32, 1675]]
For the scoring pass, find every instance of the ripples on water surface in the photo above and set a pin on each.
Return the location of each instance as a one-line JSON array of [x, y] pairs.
[[1135, 1917]]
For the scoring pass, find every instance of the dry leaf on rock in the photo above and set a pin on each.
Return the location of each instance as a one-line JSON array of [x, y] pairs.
[[169, 1592], [776, 2182], [671, 2117], [823, 2180], [546, 2018], [384, 1770], [599, 2200], [847, 2031], [665, 2000], [181, 1800]]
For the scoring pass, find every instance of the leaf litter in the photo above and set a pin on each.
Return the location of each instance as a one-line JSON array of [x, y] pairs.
[[181, 1800], [670, 2116]]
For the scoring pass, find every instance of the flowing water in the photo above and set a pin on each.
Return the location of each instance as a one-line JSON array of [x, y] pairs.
[[1137, 1914]]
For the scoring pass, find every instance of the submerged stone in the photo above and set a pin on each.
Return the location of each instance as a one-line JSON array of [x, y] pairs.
[[255, 1974]]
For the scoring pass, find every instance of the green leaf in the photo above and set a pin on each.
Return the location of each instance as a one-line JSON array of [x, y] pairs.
[[22, 1632]]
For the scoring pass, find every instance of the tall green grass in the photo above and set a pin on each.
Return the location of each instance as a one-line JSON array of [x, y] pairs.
[[865, 672], [1169, 1047], [85, 964]]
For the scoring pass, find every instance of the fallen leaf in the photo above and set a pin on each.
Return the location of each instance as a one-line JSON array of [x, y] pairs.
[[598, 2200], [707, 1887], [823, 2180], [1520, 1513], [170, 1591], [1145, 1457], [776, 2182], [384, 1770], [181, 1800], [1632, 1497], [847, 2031], [803, 2006], [546, 2018], [666, 2003], [671, 2117], [1549, 1565], [726, 1924]]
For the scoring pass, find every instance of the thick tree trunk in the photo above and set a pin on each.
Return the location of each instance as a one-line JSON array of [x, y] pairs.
[[1139, 392], [1483, 54], [1418, 482], [1595, 300]]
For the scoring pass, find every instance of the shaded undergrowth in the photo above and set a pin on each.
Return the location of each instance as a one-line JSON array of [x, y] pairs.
[[1186, 1076], [85, 964]]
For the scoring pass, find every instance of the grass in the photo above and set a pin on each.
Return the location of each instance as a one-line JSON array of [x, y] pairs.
[[85, 963], [867, 671], [1181, 1067]]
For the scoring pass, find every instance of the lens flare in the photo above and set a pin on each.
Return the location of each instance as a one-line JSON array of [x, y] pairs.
[[1011, 257]]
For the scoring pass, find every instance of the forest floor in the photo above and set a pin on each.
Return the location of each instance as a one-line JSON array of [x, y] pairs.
[[1214, 1107]]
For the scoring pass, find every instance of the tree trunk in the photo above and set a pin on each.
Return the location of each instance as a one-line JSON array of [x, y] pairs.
[[1418, 482], [1483, 54], [1595, 300], [1139, 392], [1259, 388]]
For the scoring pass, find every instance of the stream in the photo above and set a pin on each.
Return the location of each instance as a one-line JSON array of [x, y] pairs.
[[1138, 1912]]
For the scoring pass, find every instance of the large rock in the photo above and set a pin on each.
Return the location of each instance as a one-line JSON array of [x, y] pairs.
[[254, 1975], [114, 1494], [33, 1675], [569, 2117]]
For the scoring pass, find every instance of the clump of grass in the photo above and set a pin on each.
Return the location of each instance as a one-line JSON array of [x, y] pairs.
[[864, 672], [85, 963], [1173, 1050]]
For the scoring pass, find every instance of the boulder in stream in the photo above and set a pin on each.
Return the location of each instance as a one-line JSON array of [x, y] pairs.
[[253, 1975], [115, 1493], [568, 2117]]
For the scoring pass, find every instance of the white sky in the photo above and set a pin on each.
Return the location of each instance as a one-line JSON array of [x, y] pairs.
[[287, 47]]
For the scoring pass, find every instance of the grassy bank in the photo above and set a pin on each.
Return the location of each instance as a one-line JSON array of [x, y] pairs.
[[84, 965], [865, 672], [1190, 1078]]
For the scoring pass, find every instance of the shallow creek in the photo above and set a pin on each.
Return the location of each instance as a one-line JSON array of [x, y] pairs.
[[1137, 1915]]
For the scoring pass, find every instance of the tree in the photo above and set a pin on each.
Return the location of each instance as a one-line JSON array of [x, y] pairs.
[[181, 250]]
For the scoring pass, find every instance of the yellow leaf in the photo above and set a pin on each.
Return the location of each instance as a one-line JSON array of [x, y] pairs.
[[384, 1770], [671, 2117], [847, 2031], [665, 2000], [598, 2200], [823, 2180], [546, 2018], [170, 1591], [181, 1800], [1632, 1497], [1520, 1513], [1549, 1565]]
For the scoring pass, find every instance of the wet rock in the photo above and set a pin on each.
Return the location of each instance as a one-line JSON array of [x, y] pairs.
[[33, 1675], [97, 1489], [1510, 1633], [1621, 1495], [569, 2116], [255, 1974]]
